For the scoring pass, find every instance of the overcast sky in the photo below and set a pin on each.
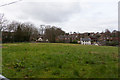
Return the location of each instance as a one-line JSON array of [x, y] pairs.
[[70, 15]]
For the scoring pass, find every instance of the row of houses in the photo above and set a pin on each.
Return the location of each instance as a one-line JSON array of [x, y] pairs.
[[74, 39], [104, 38]]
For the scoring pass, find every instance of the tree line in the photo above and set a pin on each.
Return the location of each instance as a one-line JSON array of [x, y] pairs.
[[26, 32], [19, 32]]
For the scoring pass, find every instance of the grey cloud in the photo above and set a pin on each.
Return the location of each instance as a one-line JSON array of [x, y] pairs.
[[86, 15], [50, 12]]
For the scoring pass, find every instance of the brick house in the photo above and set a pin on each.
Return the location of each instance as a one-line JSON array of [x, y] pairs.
[[67, 38]]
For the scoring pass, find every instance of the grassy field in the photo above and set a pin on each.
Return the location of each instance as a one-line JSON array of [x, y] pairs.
[[53, 60]]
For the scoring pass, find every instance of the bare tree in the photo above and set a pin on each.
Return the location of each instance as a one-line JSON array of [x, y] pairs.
[[2, 22], [42, 29], [51, 33], [20, 32]]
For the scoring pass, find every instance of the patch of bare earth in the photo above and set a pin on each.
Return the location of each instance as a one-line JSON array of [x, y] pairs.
[[14, 44], [93, 52]]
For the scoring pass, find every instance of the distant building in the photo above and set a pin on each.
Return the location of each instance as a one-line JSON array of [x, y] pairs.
[[41, 39], [85, 41], [67, 38]]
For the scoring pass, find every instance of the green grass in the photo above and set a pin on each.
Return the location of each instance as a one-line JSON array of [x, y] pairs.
[[57, 60]]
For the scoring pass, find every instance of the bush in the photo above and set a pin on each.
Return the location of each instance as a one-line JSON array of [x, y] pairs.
[[112, 43], [74, 41]]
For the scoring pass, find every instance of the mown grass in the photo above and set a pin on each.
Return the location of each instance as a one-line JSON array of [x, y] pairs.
[[57, 60]]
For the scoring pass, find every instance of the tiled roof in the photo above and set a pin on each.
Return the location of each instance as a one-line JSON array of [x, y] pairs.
[[85, 39]]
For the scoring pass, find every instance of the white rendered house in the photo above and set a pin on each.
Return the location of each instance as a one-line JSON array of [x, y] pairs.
[[85, 41]]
